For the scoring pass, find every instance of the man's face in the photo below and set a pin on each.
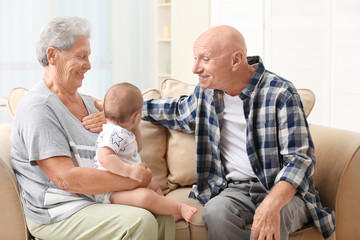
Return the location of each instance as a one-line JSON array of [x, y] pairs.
[[212, 65]]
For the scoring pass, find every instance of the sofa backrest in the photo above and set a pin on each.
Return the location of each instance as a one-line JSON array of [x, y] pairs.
[[14, 97], [170, 154], [154, 145], [12, 220], [337, 176]]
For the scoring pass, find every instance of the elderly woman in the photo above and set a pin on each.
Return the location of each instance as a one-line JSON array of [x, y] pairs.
[[53, 154]]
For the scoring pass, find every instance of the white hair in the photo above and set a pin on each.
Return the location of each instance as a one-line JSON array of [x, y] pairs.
[[61, 33]]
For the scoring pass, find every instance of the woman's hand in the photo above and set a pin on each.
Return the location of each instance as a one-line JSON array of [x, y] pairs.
[[94, 121]]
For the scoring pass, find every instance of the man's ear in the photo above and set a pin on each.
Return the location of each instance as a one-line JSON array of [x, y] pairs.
[[51, 53], [237, 58]]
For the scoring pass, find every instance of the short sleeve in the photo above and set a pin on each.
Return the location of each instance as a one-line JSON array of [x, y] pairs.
[[43, 135]]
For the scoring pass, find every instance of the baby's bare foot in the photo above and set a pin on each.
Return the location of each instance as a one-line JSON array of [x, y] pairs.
[[187, 212]]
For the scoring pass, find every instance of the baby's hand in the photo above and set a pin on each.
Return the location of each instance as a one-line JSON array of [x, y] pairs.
[[144, 165], [137, 172]]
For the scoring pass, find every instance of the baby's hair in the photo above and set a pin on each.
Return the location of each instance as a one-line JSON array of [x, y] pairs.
[[121, 101]]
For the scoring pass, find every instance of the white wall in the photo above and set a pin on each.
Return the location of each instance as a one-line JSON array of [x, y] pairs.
[[313, 43], [186, 13], [132, 42], [122, 42]]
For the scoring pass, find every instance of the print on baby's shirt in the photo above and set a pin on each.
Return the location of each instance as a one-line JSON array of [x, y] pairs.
[[116, 139]]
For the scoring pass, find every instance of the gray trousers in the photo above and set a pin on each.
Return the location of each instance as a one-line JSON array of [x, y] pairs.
[[227, 214]]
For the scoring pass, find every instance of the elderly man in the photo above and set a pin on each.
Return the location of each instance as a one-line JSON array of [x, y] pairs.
[[255, 155]]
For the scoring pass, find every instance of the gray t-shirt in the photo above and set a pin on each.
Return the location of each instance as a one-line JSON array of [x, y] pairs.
[[42, 128]]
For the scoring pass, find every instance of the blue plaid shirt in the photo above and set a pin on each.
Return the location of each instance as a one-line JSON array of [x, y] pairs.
[[279, 144]]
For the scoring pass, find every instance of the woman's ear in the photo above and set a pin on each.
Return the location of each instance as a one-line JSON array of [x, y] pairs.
[[51, 53]]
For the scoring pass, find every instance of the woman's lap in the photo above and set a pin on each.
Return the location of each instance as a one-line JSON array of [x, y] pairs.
[[105, 221]]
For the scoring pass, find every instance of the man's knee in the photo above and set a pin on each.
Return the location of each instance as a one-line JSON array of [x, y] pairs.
[[216, 213], [225, 222], [294, 215]]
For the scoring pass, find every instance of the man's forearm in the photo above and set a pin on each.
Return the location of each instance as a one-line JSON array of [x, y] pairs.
[[174, 113], [281, 194]]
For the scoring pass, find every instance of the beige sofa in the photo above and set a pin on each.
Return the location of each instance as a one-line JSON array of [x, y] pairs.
[[171, 156]]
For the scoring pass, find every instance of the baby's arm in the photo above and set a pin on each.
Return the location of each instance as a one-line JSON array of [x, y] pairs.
[[137, 133], [110, 161]]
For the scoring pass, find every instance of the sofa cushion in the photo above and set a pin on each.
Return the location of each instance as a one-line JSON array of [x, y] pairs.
[[154, 146], [173, 88], [195, 228], [181, 195], [181, 154]]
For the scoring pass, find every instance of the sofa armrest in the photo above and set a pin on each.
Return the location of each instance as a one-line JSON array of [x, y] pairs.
[[337, 176], [12, 220]]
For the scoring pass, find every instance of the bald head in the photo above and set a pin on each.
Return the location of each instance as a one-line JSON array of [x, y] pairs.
[[122, 101], [223, 38], [221, 60]]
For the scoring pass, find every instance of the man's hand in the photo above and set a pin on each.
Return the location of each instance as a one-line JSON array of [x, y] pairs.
[[94, 121], [266, 224]]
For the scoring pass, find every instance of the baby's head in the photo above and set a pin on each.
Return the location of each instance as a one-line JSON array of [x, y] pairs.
[[123, 103]]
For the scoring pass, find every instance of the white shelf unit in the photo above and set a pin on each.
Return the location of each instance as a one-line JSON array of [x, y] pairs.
[[178, 25], [163, 41]]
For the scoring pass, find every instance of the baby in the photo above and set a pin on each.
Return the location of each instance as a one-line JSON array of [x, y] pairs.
[[117, 151]]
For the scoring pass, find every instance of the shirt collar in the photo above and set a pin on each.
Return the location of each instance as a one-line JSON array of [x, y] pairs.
[[246, 92], [256, 77]]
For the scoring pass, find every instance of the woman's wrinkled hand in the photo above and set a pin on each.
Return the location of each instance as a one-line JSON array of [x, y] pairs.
[[94, 121]]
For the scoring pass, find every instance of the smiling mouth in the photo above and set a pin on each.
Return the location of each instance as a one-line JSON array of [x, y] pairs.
[[202, 78]]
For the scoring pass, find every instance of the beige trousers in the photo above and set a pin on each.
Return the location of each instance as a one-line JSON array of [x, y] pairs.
[[107, 221]]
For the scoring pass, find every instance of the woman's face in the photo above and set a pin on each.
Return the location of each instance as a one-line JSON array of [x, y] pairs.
[[74, 63]]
